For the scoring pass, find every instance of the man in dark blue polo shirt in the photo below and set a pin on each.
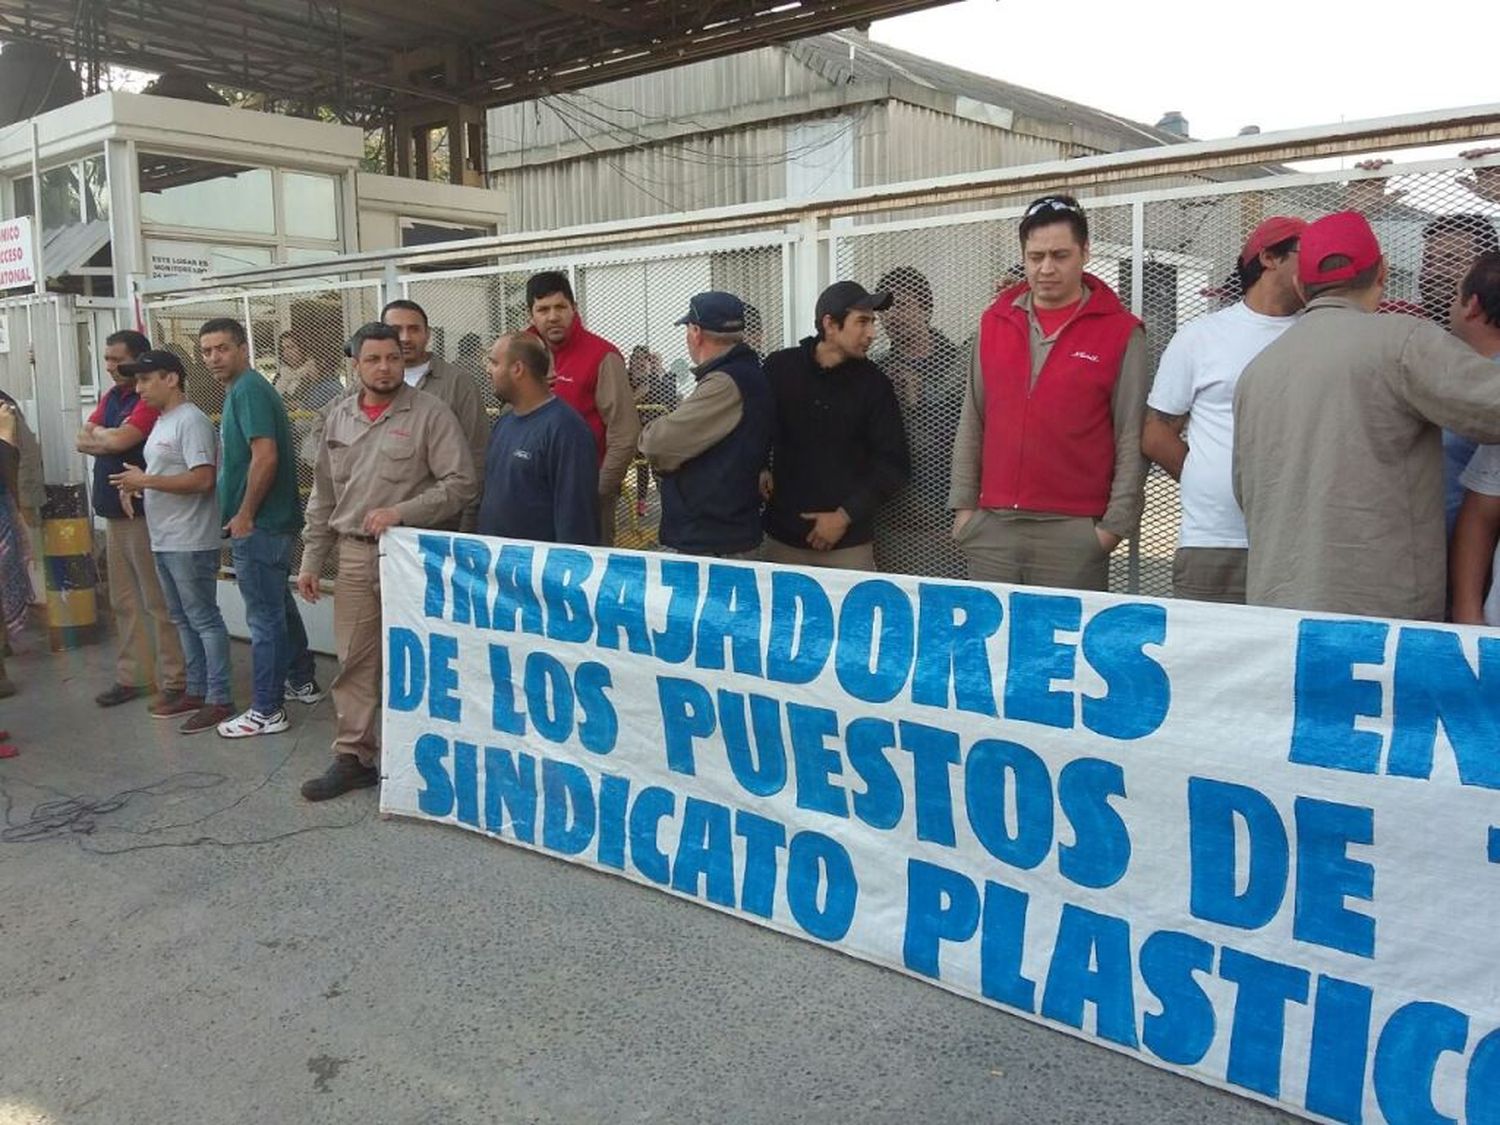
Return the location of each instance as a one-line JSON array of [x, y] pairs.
[[541, 471], [710, 451]]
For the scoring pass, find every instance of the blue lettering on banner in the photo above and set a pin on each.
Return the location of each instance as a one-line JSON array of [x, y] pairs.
[[790, 778]]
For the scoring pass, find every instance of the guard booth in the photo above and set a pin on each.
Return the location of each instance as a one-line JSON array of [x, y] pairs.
[[120, 188]]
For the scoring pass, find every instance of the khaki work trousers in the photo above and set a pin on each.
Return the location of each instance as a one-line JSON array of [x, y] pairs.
[[135, 595], [840, 558], [1210, 574], [357, 636], [1034, 549]]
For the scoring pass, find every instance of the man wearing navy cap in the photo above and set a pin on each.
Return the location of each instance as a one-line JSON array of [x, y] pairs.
[[1338, 459], [709, 452], [840, 447]]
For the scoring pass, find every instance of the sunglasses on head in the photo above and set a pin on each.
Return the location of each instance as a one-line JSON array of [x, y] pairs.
[[1052, 203]]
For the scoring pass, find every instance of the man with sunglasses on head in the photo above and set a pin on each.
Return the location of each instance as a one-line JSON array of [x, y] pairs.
[[1048, 476]]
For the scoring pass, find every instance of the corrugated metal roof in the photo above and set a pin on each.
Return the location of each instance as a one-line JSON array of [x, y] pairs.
[[849, 56], [65, 249]]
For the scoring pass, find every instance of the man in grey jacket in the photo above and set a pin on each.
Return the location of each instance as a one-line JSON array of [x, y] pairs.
[[1338, 460], [441, 379]]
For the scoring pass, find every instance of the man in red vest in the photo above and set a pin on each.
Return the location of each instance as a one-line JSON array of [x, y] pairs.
[[1048, 476], [590, 377]]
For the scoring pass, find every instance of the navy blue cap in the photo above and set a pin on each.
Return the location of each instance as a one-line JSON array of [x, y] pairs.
[[161, 360], [716, 311]]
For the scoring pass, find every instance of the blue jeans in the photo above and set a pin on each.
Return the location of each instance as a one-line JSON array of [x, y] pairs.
[[278, 640], [189, 584]]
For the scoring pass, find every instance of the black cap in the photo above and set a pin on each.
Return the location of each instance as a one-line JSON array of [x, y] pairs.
[[842, 296], [153, 361], [716, 311]]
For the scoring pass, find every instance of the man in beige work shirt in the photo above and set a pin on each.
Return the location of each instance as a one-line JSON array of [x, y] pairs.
[[1338, 459], [710, 451], [391, 456], [453, 385], [1048, 476]]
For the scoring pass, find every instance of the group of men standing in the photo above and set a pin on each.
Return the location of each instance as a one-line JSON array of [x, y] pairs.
[[1304, 431]]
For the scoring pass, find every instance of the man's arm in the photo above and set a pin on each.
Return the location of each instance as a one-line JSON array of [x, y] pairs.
[[101, 442], [622, 426], [1449, 383], [575, 486], [1127, 492], [1471, 558], [317, 535], [468, 408], [198, 479], [1161, 440], [455, 482], [705, 418], [890, 456], [258, 481], [968, 445]]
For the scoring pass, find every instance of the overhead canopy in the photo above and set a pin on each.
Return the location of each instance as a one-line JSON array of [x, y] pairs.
[[373, 57]]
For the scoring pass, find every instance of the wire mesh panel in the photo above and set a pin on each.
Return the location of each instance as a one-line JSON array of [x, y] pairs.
[[944, 275], [297, 337], [1175, 241]]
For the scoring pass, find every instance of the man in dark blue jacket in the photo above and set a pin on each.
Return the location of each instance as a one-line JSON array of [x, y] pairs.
[[710, 451]]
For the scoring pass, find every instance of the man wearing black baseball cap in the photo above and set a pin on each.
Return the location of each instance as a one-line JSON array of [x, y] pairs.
[[182, 458], [709, 452], [840, 447]]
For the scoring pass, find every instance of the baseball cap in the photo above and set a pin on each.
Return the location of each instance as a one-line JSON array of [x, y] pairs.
[[1278, 228], [716, 311], [842, 296], [1346, 233], [153, 361]]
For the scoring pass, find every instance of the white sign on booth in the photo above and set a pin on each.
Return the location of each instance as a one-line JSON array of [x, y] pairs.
[[17, 255], [1252, 846]]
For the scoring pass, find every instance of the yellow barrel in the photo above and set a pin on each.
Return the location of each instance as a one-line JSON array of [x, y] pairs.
[[68, 562]]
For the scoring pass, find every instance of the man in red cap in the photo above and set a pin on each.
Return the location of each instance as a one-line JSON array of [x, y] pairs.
[[1338, 461], [1196, 380]]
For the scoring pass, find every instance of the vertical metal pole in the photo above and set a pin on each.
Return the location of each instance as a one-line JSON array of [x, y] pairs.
[[39, 267], [1137, 303], [249, 326]]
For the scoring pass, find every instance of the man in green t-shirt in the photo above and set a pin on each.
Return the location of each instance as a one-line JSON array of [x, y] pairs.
[[262, 516]]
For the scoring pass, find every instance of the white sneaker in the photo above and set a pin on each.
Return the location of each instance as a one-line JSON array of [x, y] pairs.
[[309, 693], [253, 722]]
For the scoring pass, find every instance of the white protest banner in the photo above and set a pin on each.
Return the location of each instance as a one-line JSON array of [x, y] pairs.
[[1251, 846], [17, 255]]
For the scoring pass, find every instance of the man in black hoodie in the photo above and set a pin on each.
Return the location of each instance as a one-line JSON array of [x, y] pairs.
[[840, 449]]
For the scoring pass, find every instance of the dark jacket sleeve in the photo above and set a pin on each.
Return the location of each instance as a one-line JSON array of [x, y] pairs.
[[10, 465], [575, 485], [890, 456]]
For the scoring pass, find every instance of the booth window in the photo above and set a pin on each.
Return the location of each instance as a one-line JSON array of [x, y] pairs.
[[202, 195], [309, 205]]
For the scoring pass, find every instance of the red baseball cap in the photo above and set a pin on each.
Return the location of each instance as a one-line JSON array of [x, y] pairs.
[[1346, 233], [1278, 228]]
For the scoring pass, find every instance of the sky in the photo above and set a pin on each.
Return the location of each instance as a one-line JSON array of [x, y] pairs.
[[1223, 66]]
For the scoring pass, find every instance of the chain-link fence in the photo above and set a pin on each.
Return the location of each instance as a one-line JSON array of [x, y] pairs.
[[1169, 252], [296, 335], [633, 301]]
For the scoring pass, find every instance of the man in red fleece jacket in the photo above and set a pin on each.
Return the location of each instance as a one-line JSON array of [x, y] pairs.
[[589, 375], [1048, 476]]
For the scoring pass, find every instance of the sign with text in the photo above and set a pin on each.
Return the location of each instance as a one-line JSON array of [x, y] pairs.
[[17, 255], [1253, 846]]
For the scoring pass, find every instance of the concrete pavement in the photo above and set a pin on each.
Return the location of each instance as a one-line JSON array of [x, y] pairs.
[[352, 969]]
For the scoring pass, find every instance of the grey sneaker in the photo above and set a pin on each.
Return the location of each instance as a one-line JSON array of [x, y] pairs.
[[308, 693]]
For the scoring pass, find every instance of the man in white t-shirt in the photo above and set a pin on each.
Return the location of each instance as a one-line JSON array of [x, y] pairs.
[[1195, 383], [1472, 558], [182, 457]]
